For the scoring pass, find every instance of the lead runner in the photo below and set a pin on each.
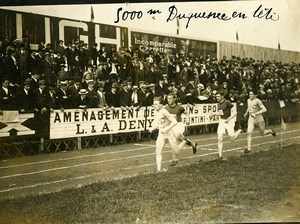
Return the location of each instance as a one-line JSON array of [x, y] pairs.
[[165, 123]]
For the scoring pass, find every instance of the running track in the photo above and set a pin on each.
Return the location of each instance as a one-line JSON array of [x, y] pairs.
[[46, 173]]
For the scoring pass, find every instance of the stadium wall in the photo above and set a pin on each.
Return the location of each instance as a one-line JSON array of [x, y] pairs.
[[229, 49]]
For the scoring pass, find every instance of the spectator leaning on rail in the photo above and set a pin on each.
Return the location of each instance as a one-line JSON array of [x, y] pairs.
[[42, 98], [64, 97], [7, 97], [113, 96], [101, 101], [82, 100], [24, 98], [125, 95]]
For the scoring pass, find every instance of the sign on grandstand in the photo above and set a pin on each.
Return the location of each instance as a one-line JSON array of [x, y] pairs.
[[14, 124], [74, 123], [91, 122]]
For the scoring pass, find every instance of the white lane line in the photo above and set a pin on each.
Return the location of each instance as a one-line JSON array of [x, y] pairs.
[[110, 160], [75, 157], [75, 178], [77, 165], [128, 168]]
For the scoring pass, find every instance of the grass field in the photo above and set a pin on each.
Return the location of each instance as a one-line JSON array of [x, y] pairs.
[[259, 187]]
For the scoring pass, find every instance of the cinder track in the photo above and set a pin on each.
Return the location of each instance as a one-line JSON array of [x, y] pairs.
[[54, 172]]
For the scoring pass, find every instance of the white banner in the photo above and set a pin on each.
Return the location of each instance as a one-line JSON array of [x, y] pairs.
[[79, 123], [91, 122]]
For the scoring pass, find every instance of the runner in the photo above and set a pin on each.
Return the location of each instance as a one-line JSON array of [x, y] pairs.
[[255, 109], [177, 110], [226, 122]]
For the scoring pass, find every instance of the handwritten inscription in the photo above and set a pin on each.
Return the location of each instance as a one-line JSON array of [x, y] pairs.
[[173, 13], [128, 15]]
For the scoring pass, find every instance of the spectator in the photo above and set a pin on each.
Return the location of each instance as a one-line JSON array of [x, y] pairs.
[[125, 95], [82, 100], [101, 101], [62, 75], [144, 95], [24, 98], [64, 97], [113, 96], [88, 75], [11, 69], [23, 64], [135, 101], [7, 98], [75, 86], [42, 98], [61, 48], [94, 54]]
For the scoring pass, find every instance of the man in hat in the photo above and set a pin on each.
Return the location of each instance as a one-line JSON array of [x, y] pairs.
[[161, 88], [135, 101], [125, 95], [7, 98], [92, 94], [88, 75], [42, 98], [24, 98], [98, 71], [75, 86], [181, 94], [94, 54], [113, 96], [64, 98], [11, 65], [23, 63], [82, 100], [146, 99], [101, 99], [60, 47], [198, 94], [62, 75]]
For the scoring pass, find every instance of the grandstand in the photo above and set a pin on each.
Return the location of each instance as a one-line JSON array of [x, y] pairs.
[[68, 68]]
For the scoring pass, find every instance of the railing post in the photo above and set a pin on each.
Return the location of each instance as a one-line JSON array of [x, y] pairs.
[[78, 142], [42, 144], [110, 139]]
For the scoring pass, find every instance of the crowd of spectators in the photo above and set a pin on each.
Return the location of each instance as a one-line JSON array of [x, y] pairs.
[[76, 76]]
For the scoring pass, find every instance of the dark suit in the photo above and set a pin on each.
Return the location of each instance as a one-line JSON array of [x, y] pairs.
[[83, 102], [113, 99], [25, 100], [160, 90], [11, 69], [42, 99], [64, 99], [125, 97], [7, 100], [144, 99], [101, 100]]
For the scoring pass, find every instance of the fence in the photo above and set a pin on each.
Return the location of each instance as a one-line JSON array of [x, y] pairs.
[[32, 134]]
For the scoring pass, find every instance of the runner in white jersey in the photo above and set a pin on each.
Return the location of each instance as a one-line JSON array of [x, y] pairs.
[[177, 110], [255, 109], [226, 122], [164, 122]]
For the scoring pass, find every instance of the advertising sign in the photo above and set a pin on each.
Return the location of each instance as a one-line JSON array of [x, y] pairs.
[[74, 123]]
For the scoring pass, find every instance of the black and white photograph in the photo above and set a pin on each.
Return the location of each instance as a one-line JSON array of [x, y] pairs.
[[150, 112]]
